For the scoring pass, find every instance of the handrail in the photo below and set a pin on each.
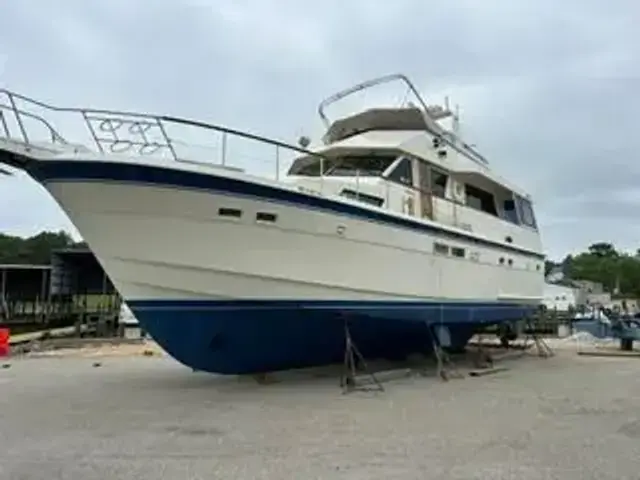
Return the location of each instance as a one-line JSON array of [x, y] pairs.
[[232, 131], [120, 131], [55, 136], [430, 124]]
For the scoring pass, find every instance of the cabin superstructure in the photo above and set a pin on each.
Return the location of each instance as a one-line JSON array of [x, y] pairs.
[[404, 160]]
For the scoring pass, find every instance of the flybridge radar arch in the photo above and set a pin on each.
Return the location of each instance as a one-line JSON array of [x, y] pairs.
[[369, 84], [430, 114]]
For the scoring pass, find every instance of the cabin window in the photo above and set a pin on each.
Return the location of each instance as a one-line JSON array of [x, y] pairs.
[[310, 166], [440, 248], [402, 173], [266, 217], [480, 200], [438, 183], [510, 211], [230, 212], [362, 197], [526, 212], [365, 165], [458, 252]]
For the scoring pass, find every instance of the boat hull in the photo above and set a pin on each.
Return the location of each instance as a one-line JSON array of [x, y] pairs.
[[243, 337]]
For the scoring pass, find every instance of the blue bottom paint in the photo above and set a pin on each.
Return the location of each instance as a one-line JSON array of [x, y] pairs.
[[240, 337]]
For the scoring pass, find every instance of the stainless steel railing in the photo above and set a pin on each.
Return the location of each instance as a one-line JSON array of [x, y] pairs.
[[129, 133]]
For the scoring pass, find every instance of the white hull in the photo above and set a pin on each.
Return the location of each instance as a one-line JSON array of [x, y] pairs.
[[170, 243]]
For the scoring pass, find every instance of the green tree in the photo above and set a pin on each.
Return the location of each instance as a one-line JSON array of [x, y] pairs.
[[604, 264], [32, 250], [603, 250]]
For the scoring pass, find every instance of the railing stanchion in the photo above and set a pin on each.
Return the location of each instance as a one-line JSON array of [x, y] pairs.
[[4, 125], [224, 148], [18, 117], [93, 132], [167, 139], [386, 189]]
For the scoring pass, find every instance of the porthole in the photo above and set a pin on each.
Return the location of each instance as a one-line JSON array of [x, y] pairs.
[[266, 217], [230, 212]]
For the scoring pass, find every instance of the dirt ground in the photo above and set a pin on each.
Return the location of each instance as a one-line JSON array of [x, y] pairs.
[[138, 417]]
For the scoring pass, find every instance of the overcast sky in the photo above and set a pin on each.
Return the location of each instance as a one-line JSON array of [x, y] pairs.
[[549, 90]]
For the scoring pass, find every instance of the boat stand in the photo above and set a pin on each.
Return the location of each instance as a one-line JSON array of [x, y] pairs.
[[543, 348], [482, 358], [352, 360], [445, 367]]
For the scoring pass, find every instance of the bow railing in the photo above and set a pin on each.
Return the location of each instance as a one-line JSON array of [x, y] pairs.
[[113, 132]]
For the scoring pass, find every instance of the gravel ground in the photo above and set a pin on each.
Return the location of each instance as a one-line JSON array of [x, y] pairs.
[[566, 417]]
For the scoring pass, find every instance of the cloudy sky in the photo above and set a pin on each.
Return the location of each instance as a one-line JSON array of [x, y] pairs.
[[549, 90]]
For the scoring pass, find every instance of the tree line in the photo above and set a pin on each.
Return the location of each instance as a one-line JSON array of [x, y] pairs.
[[618, 271], [35, 250], [601, 262]]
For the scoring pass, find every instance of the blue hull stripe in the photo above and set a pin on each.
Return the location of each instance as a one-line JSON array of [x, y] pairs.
[[240, 337], [359, 305], [145, 174]]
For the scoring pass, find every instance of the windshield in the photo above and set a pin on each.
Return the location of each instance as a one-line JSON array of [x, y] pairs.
[[369, 165]]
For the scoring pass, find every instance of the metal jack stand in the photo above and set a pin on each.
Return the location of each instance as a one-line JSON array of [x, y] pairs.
[[543, 348], [446, 368], [482, 358], [353, 358]]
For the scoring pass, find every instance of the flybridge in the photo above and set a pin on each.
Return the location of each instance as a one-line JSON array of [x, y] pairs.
[[422, 117]]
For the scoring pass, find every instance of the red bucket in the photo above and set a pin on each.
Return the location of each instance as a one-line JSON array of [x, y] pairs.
[[5, 334]]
